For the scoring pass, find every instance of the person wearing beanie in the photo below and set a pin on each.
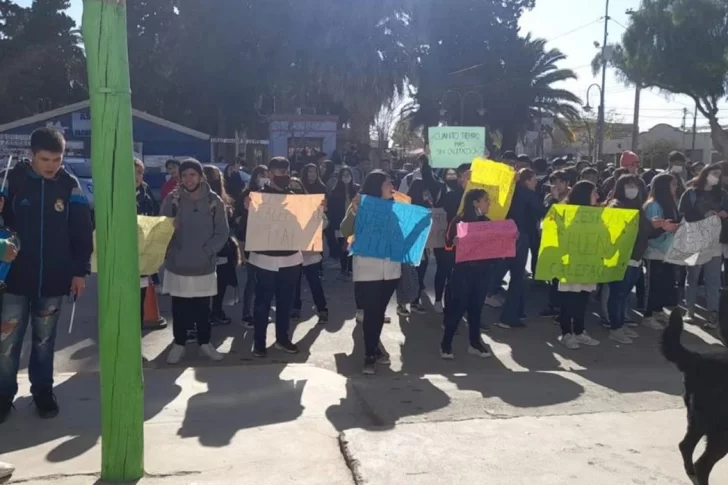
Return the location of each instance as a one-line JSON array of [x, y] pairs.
[[201, 231], [630, 161]]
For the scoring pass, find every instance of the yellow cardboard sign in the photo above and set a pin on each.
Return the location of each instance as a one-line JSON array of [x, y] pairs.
[[499, 180]]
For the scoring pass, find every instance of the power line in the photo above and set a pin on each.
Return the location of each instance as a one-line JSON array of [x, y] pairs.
[[618, 23], [575, 30]]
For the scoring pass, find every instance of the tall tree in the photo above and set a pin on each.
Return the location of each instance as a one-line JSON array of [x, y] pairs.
[[682, 46], [41, 62]]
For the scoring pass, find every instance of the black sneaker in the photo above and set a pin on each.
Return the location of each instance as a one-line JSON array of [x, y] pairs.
[[6, 407], [381, 357], [387, 320], [481, 350], [446, 352], [369, 366], [323, 317], [295, 315], [287, 347], [46, 405], [221, 319], [418, 308], [260, 353], [402, 311], [247, 322]]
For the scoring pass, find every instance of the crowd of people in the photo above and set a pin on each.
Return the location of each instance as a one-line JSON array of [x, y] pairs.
[[210, 212]]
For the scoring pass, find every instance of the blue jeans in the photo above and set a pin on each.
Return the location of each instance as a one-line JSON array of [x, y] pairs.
[[618, 293], [42, 315], [515, 298], [711, 274]]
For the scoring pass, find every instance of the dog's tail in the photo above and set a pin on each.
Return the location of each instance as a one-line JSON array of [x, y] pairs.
[[672, 348]]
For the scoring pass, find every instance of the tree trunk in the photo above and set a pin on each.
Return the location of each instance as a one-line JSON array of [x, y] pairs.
[[636, 120], [719, 136], [510, 140], [122, 394]]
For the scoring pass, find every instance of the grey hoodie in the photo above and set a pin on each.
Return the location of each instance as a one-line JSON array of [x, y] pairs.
[[202, 231]]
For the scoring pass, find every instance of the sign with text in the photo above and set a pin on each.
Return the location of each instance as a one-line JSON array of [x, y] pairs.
[[581, 244], [280, 222], [154, 235], [436, 239], [385, 229], [499, 180], [695, 243], [478, 241], [451, 146]]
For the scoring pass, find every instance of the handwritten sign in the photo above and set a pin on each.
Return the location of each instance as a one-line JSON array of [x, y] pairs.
[[695, 243], [499, 180], [586, 244], [451, 146], [436, 239], [279, 222], [153, 235], [478, 241], [386, 229]]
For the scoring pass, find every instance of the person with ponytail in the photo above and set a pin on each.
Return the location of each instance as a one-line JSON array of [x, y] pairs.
[[468, 282]]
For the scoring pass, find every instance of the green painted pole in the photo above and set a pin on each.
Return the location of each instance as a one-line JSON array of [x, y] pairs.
[[122, 388]]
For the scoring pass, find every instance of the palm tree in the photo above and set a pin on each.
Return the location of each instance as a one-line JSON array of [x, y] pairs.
[[628, 74], [523, 94]]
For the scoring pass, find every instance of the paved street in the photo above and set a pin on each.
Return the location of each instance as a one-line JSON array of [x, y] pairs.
[[535, 414]]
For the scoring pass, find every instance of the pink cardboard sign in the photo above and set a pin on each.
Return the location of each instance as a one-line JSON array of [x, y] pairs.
[[478, 241]]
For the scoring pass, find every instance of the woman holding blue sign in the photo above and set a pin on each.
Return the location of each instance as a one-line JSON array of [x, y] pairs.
[[468, 283], [375, 279]]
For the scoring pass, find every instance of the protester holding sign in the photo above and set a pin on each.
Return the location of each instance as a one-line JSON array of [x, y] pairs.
[[201, 230], [706, 198], [375, 279], [341, 196], [661, 276], [627, 195], [421, 195], [575, 296], [469, 282]]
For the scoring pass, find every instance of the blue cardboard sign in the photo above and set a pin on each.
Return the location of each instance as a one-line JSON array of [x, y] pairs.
[[391, 230]]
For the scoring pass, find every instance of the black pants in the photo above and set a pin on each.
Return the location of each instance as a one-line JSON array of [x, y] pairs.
[[421, 272], [469, 286], [554, 294], [333, 242], [660, 282], [344, 258], [312, 273], [641, 290], [534, 240], [573, 311], [280, 284], [445, 262], [249, 293], [188, 313], [374, 297], [218, 299]]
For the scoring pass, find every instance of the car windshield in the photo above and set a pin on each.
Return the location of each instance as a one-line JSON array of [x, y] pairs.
[[81, 170]]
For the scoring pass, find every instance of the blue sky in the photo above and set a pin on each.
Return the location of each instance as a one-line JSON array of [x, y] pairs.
[[573, 27]]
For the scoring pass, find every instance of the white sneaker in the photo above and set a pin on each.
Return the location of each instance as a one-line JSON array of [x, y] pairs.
[[629, 332], [175, 354], [619, 336], [586, 339], [653, 323], [6, 470], [211, 352], [493, 301], [689, 317], [359, 316], [569, 341], [437, 307]]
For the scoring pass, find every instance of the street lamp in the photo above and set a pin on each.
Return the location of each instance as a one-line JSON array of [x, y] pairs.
[[462, 97], [600, 119]]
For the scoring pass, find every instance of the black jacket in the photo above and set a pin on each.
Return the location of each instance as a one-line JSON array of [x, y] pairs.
[[53, 222], [146, 203]]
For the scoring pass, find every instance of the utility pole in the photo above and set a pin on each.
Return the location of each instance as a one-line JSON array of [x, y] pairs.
[[636, 119], [600, 147], [684, 126], [695, 129]]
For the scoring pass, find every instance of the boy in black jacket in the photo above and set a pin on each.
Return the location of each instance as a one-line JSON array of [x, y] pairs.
[[47, 209]]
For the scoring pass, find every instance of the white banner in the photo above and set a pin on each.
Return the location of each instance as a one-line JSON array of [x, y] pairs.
[[695, 243]]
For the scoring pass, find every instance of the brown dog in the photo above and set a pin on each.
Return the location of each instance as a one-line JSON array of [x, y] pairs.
[[706, 399]]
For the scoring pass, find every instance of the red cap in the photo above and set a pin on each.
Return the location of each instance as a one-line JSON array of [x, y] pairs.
[[629, 159]]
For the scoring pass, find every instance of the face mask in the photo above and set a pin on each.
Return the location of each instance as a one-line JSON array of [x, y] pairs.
[[713, 180], [631, 192], [478, 212], [453, 184], [676, 169], [262, 182], [282, 181], [346, 179]]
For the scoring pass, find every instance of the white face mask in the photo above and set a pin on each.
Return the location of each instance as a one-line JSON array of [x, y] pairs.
[[478, 212], [713, 180], [631, 192], [677, 169], [263, 182]]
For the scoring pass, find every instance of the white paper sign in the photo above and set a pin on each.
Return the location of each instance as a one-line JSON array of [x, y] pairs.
[[695, 243]]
